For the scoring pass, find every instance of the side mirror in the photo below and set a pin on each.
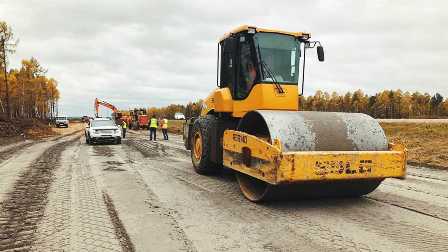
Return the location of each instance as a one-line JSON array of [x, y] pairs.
[[320, 53]]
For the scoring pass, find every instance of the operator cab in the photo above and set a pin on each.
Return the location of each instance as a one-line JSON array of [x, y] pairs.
[[249, 56]]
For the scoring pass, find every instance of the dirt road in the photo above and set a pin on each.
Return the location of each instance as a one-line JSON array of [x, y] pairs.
[[63, 194]]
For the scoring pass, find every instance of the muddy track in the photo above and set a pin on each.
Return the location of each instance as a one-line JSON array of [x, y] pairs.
[[120, 231], [67, 135], [367, 214], [164, 153], [25, 205], [179, 241], [4, 155], [157, 150], [224, 191], [437, 212], [155, 206], [428, 173]]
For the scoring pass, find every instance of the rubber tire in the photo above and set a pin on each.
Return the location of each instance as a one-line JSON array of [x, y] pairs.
[[187, 137], [118, 141], [87, 140], [204, 166]]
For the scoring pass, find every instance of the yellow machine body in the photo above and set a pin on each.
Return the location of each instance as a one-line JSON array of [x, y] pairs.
[[255, 157], [244, 28], [262, 96]]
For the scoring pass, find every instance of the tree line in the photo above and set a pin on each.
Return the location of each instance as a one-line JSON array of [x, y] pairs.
[[191, 109], [25, 92], [385, 104]]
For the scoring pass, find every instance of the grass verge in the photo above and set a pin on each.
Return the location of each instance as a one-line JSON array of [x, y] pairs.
[[427, 143]]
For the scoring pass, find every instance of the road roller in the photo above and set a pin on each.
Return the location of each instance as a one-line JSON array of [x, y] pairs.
[[252, 123]]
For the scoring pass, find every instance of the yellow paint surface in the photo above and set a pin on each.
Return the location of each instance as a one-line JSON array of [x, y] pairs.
[[270, 164], [262, 96], [259, 29]]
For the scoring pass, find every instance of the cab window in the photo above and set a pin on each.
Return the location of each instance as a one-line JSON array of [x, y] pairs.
[[279, 55], [247, 67]]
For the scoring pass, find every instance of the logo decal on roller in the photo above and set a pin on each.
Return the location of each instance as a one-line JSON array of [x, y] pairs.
[[343, 167], [239, 138]]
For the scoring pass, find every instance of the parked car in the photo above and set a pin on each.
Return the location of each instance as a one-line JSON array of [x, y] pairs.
[[179, 116], [61, 121], [102, 130]]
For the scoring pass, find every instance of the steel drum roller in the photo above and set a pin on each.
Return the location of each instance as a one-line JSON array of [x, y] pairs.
[[312, 131]]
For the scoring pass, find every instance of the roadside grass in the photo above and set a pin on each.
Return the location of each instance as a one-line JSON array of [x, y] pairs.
[[427, 143], [175, 126]]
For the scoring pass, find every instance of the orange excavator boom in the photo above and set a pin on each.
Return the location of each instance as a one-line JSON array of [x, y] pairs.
[[105, 104]]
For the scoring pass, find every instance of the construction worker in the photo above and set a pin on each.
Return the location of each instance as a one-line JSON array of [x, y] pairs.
[[123, 127], [165, 128], [152, 128]]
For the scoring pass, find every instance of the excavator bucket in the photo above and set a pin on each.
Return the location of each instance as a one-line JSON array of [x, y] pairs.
[[310, 154]]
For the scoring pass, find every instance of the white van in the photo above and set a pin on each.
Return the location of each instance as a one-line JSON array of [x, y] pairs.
[[61, 121], [179, 116]]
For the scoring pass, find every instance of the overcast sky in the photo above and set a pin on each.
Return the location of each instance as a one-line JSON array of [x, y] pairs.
[[158, 52]]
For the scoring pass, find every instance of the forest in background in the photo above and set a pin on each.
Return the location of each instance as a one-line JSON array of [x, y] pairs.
[[385, 104], [25, 92]]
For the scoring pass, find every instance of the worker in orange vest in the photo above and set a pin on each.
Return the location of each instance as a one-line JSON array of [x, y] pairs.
[[165, 128]]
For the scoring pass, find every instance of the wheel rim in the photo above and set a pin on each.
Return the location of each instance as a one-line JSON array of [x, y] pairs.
[[197, 148], [253, 189]]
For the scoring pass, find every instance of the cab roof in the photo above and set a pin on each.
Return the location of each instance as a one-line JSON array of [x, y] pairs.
[[304, 35]]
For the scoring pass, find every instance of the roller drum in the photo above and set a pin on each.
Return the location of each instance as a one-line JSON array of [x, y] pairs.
[[312, 131], [317, 131]]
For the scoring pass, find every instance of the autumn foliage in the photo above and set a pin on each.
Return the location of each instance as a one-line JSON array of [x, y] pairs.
[[385, 104], [192, 109], [25, 92]]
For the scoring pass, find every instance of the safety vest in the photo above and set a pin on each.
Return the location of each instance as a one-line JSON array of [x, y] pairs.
[[153, 123], [165, 124], [124, 126]]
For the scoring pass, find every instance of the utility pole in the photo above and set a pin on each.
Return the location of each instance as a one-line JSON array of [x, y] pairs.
[[6, 75]]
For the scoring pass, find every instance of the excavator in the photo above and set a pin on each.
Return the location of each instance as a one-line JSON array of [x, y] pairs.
[[116, 114], [99, 102], [252, 124]]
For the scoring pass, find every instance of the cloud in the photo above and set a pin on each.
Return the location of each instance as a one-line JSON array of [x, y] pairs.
[[153, 53]]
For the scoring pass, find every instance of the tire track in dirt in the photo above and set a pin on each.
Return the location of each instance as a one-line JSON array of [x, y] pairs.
[[177, 233], [400, 231], [424, 239], [66, 135], [157, 150], [24, 208], [394, 200], [417, 206], [120, 231], [428, 173], [5, 155], [218, 186]]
